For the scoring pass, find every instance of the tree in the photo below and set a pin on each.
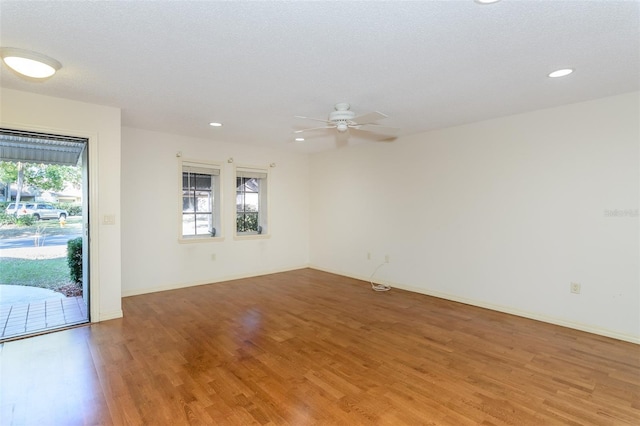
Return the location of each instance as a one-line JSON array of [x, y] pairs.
[[47, 177], [20, 183], [53, 177], [8, 172], [8, 175]]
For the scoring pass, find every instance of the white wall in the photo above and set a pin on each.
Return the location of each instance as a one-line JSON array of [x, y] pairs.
[[504, 214], [152, 257], [28, 111]]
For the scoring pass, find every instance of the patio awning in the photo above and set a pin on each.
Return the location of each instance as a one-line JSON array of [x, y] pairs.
[[40, 148]]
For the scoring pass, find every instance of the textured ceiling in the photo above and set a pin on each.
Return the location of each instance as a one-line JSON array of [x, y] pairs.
[[176, 66]]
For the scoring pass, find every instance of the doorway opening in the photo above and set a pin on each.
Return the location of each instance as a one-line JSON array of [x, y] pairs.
[[44, 233]]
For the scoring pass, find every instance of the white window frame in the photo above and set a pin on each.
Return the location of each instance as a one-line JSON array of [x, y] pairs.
[[215, 170], [263, 199]]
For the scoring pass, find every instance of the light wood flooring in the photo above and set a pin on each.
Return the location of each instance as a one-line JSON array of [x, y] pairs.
[[308, 347]]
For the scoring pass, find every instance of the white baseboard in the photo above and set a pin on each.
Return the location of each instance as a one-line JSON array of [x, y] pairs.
[[136, 292], [505, 309], [106, 316]]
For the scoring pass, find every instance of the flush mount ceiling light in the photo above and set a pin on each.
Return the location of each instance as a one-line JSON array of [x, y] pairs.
[[561, 73], [486, 1], [299, 139], [30, 64], [214, 124]]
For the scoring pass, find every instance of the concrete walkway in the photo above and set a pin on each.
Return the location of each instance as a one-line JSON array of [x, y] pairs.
[[14, 294], [29, 310]]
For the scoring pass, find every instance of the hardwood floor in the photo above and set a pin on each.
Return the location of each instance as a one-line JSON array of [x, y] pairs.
[[308, 347]]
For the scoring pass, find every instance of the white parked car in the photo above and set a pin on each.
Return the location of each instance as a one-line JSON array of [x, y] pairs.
[[13, 209], [41, 211]]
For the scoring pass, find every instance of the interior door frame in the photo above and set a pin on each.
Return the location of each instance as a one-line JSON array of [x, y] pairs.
[[91, 221]]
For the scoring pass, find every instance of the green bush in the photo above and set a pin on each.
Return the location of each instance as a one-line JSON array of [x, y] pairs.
[[26, 220], [71, 208], [247, 222], [75, 210], [6, 219], [74, 259]]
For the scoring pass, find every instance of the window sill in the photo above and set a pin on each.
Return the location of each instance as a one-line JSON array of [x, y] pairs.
[[200, 240], [251, 236]]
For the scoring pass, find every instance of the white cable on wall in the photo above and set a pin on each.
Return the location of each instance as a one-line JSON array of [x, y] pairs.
[[378, 287]]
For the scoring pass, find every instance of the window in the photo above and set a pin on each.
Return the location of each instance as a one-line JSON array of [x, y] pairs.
[[251, 201], [200, 200]]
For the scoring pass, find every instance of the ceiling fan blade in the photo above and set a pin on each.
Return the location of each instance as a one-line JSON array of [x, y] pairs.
[[311, 118], [314, 128], [373, 127], [372, 136], [369, 117]]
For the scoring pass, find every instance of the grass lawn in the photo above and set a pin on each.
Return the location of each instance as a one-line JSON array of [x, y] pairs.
[[44, 273], [46, 227]]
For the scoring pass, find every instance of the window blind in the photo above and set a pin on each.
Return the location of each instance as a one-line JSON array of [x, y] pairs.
[[205, 169], [251, 173]]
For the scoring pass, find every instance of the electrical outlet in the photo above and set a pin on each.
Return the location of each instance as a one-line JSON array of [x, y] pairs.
[[575, 288], [386, 258]]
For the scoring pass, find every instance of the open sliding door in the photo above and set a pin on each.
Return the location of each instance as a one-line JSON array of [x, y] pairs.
[[39, 290], [85, 230]]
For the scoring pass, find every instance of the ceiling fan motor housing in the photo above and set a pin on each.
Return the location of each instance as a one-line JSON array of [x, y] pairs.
[[342, 117]]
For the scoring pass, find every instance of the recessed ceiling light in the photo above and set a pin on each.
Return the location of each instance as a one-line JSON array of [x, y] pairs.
[[561, 73], [299, 139], [214, 124], [486, 1], [30, 64]]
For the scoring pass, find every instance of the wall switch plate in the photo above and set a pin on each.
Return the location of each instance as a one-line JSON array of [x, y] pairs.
[[386, 258], [213, 257], [368, 255], [109, 219], [575, 288]]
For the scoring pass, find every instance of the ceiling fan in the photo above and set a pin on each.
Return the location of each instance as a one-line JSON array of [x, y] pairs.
[[343, 119]]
